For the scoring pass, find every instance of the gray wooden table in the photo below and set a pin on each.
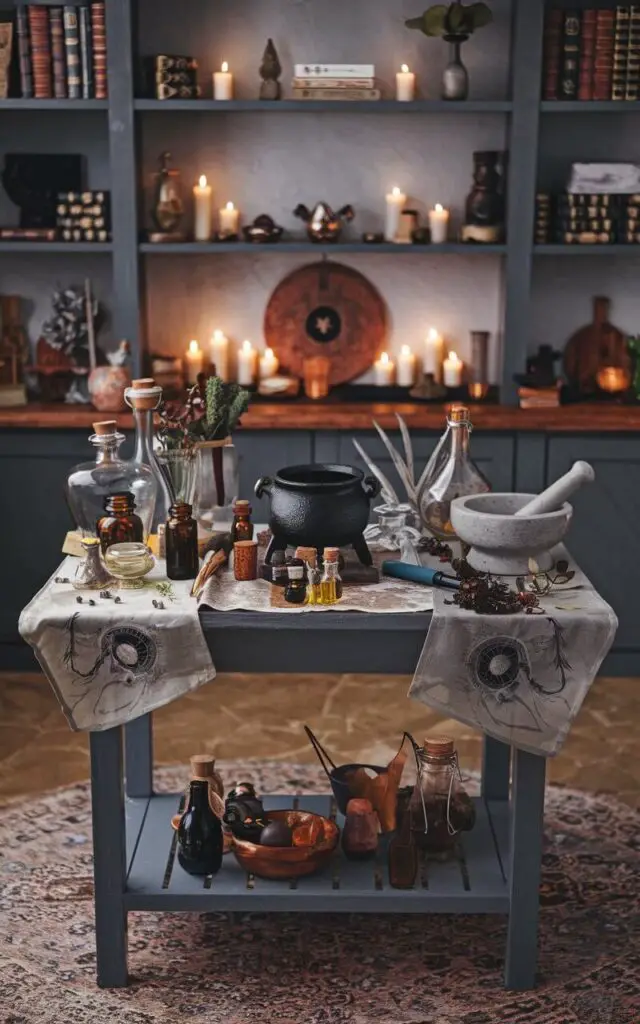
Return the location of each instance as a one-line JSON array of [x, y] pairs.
[[497, 869]]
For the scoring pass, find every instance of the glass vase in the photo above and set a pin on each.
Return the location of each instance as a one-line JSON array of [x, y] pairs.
[[143, 398], [178, 466], [455, 80], [217, 482], [451, 473]]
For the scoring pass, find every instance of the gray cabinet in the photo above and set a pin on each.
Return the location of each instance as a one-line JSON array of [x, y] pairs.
[[263, 453]]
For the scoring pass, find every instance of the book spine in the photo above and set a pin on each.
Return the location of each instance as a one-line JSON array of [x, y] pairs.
[[99, 35], [620, 51], [58, 53], [40, 51], [587, 55], [603, 56], [570, 57], [337, 94], [333, 83], [86, 53], [334, 71], [177, 92], [172, 62], [72, 49], [551, 54], [24, 53], [632, 89]]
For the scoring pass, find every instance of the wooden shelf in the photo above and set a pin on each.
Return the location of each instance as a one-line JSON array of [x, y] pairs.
[[590, 106], [587, 250], [53, 104], [57, 247], [229, 248], [323, 106]]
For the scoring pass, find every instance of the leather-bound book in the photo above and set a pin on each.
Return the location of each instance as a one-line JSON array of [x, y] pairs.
[[551, 54], [620, 53], [570, 56], [40, 51], [632, 88], [72, 50], [58, 60], [86, 52], [587, 55], [24, 52], [603, 57], [99, 34]]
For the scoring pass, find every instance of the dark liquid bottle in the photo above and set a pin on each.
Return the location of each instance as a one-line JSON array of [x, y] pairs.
[[181, 540], [120, 524], [200, 840], [242, 527]]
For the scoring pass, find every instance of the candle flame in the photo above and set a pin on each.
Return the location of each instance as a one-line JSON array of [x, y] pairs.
[[395, 191], [268, 353], [384, 358], [405, 69], [433, 335], [247, 346], [453, 358], [218, 335], [202, 181], [405, 350], [439, 208], [225, 67], [230, 206], [194, 348]]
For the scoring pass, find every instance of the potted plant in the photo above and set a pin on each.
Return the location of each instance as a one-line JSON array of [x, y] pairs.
[[454, 23]]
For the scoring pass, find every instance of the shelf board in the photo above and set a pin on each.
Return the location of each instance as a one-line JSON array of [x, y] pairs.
[[67, 247], [587, 250], [70, 105], [589, 106], [321, 106], [389, 248]]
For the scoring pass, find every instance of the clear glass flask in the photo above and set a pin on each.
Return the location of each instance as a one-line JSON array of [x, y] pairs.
[[143, 398], [453, 474]]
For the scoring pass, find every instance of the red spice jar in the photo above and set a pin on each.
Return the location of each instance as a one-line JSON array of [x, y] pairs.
[[245, 560]]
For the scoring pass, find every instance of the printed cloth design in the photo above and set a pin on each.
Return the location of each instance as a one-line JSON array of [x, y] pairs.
[[519, 678], [109, 663]]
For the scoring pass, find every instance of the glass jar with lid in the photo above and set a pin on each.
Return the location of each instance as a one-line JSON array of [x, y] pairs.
[[440, 807]]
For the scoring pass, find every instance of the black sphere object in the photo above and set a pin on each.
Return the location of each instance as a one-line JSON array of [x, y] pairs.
[[276, 833]]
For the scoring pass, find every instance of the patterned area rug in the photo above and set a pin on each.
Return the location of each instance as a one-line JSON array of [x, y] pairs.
[[319, 969]]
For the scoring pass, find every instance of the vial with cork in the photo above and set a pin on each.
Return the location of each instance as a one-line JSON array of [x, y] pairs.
[[440, 807]]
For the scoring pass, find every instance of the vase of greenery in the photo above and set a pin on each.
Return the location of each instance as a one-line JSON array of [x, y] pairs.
[[454, 23]]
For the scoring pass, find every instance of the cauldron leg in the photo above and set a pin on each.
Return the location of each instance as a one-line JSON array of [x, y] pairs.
[[362, 551], [275, 544]]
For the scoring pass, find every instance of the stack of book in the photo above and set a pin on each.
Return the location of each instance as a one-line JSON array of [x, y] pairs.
[[599, 219], [335, 82], [539, 398], [171, 77], [592, 54], [84, 216], [62, 51]]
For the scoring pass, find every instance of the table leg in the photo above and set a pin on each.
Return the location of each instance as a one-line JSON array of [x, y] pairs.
[[496, 762], [138, 756], [525, 853], [109, 857]]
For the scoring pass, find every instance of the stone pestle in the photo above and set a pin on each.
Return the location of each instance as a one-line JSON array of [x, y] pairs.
[[557, 493]]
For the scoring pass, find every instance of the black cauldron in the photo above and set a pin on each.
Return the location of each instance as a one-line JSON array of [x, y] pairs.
[[319, 506]]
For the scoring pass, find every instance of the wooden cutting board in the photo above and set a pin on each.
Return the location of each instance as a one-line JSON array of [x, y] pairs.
[[594, 346], [326, 309]]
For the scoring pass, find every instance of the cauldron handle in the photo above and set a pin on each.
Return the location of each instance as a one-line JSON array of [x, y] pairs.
[[371, 486], [263, 486]]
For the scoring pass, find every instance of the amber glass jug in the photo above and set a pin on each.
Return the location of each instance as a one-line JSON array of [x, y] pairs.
[[440, 807], [119, 524]]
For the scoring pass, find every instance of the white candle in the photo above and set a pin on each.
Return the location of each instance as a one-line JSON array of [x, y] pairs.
[[202, 206], [246, 364], [223, 83], [220, 355], [194, 359], [229, 218], [395, 205], [439, 224], [405, 85], [406, 367], [452, 367], [268, 364], [433, 353], [384, 370]]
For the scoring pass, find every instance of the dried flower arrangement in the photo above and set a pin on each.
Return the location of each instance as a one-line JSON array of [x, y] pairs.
[[211, 412]]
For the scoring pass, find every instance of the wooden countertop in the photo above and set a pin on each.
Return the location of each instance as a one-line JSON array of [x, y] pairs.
[[590, 417]]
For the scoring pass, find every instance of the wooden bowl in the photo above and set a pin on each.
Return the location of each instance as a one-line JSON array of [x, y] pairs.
[[284, 862]]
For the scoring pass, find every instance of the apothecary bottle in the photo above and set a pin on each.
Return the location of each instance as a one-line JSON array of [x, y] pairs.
[[331, 582], [181, 543], [91, 483], [143, 398], [242, 527], [440, 807], [119, 522], [453, 475], [200, 841]]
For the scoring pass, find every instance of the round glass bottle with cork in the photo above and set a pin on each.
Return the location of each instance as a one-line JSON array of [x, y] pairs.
[[440, 807], [143, 398], [331, 582], [119, 522], [181, 543], [451, 473]]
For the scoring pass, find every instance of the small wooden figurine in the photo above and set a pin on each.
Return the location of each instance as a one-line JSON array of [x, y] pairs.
[[270, 71]]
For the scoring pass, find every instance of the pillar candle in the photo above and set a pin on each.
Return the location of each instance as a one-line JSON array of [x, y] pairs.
[[202, 205], [194, 359], [405, 85], [433, 353], [438, 224], [384, 370], [268, 364], [452, 368], [406, 367], [219, 354], [246, 364], [229, 218], [223, 83], [395, 204]]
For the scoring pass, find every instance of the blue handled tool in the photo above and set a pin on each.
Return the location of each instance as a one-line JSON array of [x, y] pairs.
[[420, 574]]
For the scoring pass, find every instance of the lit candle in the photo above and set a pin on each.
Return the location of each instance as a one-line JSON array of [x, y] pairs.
[[220, 355], [406, 367], [439, 224], [433, 354], [223, 83], [202, 204], [452, 367], [384, 370], [405, 85], [194, 359], [229, 218], [268, 364], [395, 205], [246, 364]]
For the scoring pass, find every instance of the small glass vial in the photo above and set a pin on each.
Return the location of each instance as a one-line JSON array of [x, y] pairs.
[[439, 806], [295, 591], [331, 582], [181, 543], [279, 575], [312, 574], [242, 527], [120, 524]]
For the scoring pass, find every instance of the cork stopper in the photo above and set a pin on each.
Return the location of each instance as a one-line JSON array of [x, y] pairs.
[[143, 383], [359, 806], [202, 766], [439, 746], [105, 427], [331, 554], [144, 393], [459, 413], [308, 555]]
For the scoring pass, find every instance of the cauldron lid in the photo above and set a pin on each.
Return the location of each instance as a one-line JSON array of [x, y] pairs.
[[318, 476]]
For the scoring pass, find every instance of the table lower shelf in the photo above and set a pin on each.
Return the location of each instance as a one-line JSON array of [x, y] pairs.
[[473, 882]]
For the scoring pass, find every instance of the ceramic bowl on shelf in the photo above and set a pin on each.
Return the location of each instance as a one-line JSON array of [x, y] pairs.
[[284, 862]]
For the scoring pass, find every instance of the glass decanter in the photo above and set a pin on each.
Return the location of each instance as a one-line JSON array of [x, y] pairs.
[[439, 807], [91, 483], [144, 397], [451, 473]]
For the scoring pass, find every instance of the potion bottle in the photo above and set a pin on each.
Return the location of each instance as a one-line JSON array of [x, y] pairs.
[[143, 397], [200, 842], [439, 807], [453, 475]]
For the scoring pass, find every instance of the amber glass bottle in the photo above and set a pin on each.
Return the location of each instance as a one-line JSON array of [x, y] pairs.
[[120, 522], [242, 527], [181, 541]]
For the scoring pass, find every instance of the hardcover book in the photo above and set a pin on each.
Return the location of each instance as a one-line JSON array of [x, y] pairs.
[[24, 52], [570, 57], [58, 53], [72, 50], [86, 53], [99, 37], [40, 51], [334, 71], [603, 55], [6, 50], [587, 55], [333, 83], [551, 53], [620, 52], [336, 95]]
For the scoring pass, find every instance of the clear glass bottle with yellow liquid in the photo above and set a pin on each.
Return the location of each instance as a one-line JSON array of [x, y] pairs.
[[331, 582]]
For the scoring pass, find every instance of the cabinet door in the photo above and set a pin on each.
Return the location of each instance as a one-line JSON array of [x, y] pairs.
[[604, 537], [263, 453]]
